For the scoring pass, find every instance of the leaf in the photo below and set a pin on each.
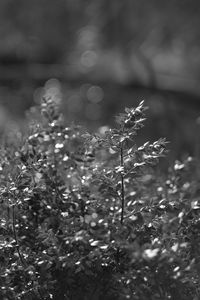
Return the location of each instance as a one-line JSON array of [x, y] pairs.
[[151, 253], [195, 204], [94, 243], [175, 247]]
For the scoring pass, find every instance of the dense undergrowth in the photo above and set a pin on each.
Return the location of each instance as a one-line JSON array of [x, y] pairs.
[[87, 216]]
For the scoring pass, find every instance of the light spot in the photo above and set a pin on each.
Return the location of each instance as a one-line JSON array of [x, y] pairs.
[[95, 94]]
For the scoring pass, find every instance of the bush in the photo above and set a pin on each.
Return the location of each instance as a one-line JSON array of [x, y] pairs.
[[86, 216]]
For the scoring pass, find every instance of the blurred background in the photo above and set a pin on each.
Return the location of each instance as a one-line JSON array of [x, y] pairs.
[[100, 56]]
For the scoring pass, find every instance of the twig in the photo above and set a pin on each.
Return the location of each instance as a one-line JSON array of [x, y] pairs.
[[122, 194], [15, 237], [122, 183]]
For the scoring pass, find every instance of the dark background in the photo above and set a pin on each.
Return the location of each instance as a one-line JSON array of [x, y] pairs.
[[99, 56]]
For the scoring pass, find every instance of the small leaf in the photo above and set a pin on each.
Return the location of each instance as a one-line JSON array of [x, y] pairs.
[[175, 247], [151, 253], [94, 243]]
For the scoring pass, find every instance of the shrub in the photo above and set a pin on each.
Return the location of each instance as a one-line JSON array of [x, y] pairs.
[[85, 216]]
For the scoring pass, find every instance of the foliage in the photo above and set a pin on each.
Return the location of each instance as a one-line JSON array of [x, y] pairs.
[[85, 216]]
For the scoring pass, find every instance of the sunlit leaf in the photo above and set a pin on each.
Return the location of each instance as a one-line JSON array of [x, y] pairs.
[[151, 253]]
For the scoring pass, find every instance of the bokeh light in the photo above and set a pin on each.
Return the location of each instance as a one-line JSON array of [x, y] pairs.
[[95, 94], [88, 58]]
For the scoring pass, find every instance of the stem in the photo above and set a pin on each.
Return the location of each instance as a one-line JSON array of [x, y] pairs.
[[122, 183], [15, 237], [122, 195]]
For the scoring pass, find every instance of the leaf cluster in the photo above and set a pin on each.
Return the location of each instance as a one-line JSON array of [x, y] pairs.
[[85, 216]]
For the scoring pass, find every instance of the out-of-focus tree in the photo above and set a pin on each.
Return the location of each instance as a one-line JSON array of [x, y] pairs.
[[38, 30], [144, 35], [155, 34]]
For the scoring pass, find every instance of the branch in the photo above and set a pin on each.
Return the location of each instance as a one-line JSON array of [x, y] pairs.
[[16, 238], [122, 183]]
